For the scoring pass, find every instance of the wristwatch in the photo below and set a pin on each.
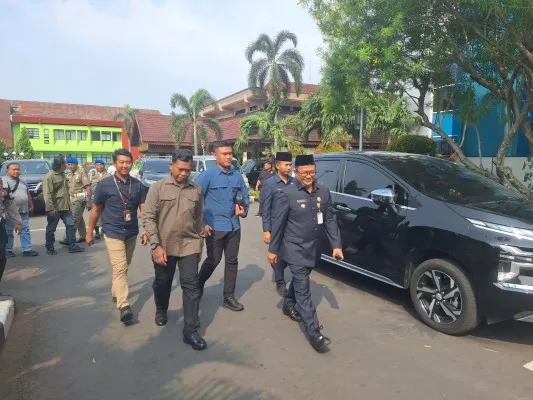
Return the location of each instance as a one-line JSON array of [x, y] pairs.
[[154, 246]]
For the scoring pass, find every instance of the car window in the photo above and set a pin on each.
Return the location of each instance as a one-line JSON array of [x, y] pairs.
[[156, 167], [447, 181], [361, 179], [27, 168], [327, 172]]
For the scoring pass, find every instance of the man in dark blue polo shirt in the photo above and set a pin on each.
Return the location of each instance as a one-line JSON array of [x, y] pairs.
[[223, 187], [117, 199], [268, 192]]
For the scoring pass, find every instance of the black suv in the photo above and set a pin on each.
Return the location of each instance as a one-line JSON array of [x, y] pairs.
[[32, 173], [153, 169], [251, 169], [461, 243]]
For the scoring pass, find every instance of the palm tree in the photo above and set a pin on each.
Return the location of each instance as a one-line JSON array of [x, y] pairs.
[[127, 116], [190, 117], [268, 127], [274, 66]]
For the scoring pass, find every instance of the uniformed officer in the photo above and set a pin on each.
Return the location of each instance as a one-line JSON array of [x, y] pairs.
[[95, 176], [301, 216], [57, 206], [80, 197], [268, 192], [8, 210]]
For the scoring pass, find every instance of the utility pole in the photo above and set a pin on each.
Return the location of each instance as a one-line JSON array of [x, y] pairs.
[[361, 119]]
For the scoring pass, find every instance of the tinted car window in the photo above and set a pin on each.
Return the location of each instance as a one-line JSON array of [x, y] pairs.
[[327, 172], [361, 179], [447, 181], [28, 168], [156, 167]]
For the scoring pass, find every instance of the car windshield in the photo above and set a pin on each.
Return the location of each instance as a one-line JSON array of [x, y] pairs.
[[29, 168], [212, 163], [447, 181], [156, 167]]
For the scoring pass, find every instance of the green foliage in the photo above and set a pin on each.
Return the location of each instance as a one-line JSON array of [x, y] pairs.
[[332, 148], [4, 149], [275, 65], [190, 119], [127, 116], [414, 144], [281, 133], [254, 193], [24, 145]]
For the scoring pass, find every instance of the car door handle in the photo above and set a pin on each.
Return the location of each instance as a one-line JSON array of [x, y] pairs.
[[342, 208]]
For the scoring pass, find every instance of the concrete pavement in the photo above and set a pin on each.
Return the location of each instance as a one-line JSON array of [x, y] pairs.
[[66, 341]]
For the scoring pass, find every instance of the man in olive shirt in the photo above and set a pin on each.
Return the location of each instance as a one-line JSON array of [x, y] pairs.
[[173, 220], [96, 176], [80, 197], [57, 206]]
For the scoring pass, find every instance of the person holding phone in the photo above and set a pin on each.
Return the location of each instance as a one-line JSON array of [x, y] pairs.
[[299, 218], [116, 200], [226, 199]]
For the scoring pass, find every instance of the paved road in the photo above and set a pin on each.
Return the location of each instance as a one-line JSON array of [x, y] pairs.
[[67, 342]]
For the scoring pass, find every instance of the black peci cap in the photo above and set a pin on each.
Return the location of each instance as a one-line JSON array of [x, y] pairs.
[[306, 159], [283, 156]]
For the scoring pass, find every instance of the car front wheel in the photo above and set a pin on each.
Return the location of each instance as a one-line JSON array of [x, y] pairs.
[[443, 297]]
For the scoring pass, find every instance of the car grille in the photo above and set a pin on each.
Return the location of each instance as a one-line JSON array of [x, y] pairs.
[[32, 186]]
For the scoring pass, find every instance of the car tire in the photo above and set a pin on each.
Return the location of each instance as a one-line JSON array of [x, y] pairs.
[[432, 284]]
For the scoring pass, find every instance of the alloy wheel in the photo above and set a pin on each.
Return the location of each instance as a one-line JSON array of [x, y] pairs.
[[439, 297]]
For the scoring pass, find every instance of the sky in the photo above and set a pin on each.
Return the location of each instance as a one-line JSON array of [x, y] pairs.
[[139, 52]]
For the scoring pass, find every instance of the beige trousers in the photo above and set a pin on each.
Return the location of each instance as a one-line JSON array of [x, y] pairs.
[[120, 254]]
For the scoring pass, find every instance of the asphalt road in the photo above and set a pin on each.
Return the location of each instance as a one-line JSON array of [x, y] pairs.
[[67, 343]]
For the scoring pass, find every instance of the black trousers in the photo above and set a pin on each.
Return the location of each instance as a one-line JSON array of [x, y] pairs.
[[218, 242], [3, 242], [299, 294], [164, 276], [279, 271]]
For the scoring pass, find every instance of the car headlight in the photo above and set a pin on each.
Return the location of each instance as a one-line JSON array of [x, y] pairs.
[[512, 260], [503, 229]]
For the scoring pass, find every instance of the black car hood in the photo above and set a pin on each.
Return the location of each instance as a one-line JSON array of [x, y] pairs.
[[156, 177], [33, 178], [510, 213]]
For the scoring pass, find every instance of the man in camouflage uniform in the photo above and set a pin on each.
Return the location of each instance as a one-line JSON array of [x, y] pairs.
[[95, 176], [80, 197], [57, 206], [8, 210]]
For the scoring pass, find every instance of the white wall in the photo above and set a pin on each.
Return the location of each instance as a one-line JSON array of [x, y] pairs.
[[515, 163], [428, 109]]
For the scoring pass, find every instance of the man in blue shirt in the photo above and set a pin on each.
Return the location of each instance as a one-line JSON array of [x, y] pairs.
[[117, 199], [223, 188], [269, 191]]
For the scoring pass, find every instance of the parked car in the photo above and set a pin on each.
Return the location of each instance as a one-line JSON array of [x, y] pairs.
[[150, 170], [459, 242], [251, 169], [201, 163], [32, 173]]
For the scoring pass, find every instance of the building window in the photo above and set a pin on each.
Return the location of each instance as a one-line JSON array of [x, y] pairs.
[[46, 141], [82, 135], [95, 136], [33, 133], [254, 108], [117, 136], [51, 156], [106, 136], [46, 130], [240, 112], [71, 135], [59, 134], [46, 136], [105, 157]]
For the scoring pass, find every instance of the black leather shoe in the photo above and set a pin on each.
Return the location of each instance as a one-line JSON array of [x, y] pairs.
[[30, 253], [161, 318], [51, 252], [292, 313], [232, 304], [75, 249], [126, 314], [281, 288], [195, 340], [319, 341], [10, 254], [80, 240], [64, 242]]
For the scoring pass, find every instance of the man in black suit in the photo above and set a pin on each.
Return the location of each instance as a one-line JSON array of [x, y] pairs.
[[300, 217]]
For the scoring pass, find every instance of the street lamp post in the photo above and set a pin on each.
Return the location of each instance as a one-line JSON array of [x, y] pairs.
[[14, 155]]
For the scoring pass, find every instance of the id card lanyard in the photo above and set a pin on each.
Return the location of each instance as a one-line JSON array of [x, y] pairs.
[[127, 213], [319, 215]]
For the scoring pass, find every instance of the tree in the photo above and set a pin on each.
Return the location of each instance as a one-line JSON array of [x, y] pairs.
[[4, 149], [275, 66], [418, 47], [190, 118], [279, 132], [24, 145], [127, 116]]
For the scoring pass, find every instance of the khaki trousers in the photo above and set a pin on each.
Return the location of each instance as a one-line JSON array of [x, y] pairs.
[[120, 254]]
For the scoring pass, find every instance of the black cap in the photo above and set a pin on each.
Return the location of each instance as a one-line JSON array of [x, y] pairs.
[[306, 159], [283, 156]]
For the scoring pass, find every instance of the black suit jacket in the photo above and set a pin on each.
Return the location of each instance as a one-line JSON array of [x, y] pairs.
[[295, 231]]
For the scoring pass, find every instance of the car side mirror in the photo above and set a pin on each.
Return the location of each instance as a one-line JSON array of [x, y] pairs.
[[383, 197]]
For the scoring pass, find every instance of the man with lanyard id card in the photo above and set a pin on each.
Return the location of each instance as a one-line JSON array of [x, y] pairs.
[[117, 199]]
